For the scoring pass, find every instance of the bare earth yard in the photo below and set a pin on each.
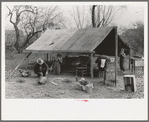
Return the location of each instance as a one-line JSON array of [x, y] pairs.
[[29, 89]]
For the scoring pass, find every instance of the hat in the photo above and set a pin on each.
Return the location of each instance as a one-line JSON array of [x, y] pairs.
[[39, 61], [82, 79]]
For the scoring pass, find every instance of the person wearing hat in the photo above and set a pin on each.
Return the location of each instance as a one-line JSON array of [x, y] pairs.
[[41, 68]]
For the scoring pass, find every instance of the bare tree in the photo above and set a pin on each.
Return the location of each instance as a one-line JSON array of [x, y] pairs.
[[96, 15], [79, 16], [16, 13], [93, 16], [33, 20], [103, 15], [51, 17]]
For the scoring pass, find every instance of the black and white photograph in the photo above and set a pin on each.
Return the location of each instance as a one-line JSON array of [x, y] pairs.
[[82, 54]]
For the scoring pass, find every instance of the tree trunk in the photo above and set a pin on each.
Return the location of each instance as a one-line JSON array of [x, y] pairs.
[[93, 16], [17, 46], [25, 44]]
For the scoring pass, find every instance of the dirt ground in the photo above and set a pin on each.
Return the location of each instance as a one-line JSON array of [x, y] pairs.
[[29, 89]]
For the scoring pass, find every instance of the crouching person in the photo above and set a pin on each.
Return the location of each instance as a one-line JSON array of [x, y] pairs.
[[41, 68]]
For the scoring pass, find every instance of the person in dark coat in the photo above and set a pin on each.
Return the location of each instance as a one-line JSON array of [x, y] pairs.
[[122, 56], [41, 68]]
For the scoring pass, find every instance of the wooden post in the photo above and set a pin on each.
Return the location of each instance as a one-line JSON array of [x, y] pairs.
[[26, 62], [116, 52], [50, 57], [91, 57], [47, 57], [134, 67], [104, 74], [129, 58]]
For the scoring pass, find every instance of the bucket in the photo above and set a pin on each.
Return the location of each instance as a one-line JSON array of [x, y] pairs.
[[42, 79], [78, 86], [129, 88], [83, 88], [89, 88]]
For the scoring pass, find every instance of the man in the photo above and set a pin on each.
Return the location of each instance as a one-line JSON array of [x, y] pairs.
[[122, 56], [41, 68]]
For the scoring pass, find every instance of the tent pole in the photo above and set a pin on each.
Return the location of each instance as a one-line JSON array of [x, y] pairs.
[[129, 57], [91, 57], [47, 57], [116, 50], [50, 56], [26, 61]]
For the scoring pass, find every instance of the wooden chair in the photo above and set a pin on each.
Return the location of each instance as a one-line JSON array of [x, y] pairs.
[[83, 66]]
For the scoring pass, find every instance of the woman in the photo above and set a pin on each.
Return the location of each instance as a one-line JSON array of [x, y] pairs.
[[57, 65], [122, 57]]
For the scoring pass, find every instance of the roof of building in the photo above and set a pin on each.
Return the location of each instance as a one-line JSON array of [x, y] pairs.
[[51, 40], [72, 40]]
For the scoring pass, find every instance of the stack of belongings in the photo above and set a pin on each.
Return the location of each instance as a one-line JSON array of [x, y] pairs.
[[102, 61], [82, 83]]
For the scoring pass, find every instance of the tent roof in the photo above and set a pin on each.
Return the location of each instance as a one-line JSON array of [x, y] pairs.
[[51, 40], [73, 40]]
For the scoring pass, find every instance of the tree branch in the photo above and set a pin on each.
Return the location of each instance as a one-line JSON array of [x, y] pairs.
[[28, 38], [100, 22], [25, 11], [54, 17], [10, 14]]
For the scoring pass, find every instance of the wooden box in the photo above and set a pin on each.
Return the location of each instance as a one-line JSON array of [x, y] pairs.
[[130, 83]]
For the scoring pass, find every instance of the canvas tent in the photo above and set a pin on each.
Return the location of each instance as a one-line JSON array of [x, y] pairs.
[[102, 40]]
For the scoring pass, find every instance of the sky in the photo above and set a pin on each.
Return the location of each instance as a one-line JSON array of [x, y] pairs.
[[133, 13]]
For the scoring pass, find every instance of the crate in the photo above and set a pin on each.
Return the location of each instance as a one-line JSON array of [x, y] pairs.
[[130, 83], [137, 64]]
